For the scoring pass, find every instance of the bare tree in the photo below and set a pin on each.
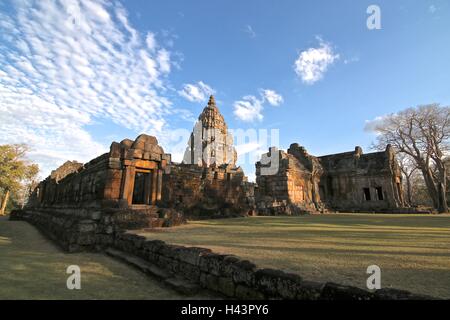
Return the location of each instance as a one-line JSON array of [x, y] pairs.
[[422, 133], [408, 168]]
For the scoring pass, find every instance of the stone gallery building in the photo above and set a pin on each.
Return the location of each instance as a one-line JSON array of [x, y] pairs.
[[349, 182]]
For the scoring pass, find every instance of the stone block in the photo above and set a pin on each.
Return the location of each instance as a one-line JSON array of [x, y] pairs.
[[246, 293], [212, 282], [333, 291], [244, 272], [211, 263], [277, 284], [310, 290], [191, 255], [226, 286], [155, 156]]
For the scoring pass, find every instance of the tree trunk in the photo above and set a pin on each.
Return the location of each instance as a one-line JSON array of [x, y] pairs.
[[431, 187], [442, 205], [408, 189], [4, 203], [442, 188]]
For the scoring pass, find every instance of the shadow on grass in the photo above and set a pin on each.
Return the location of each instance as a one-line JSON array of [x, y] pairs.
[[413, 250], [31, 267]]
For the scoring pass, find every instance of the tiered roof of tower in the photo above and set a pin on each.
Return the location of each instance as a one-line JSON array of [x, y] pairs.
[[210, 142], [211, 116]]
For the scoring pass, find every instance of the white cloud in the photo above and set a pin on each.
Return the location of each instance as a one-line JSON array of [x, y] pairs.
[[312, 63], [371, 125], [432, 9], [198, 92], [351, 60], [249, 30], [250, 108], [150, 41], [64, 65], [271, 97]]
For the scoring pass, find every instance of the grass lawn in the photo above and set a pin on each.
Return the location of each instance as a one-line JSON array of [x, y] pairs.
[[413, 251], [31, 267]]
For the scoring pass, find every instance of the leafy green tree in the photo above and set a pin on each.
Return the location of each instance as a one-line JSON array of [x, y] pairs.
[[16, 172]]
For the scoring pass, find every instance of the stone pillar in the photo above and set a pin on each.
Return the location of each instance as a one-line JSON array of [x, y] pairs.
[[160, 181], [148, 188], [128, 184], [154, 186]]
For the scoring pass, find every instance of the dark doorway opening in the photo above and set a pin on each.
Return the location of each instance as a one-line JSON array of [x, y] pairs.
[[379, 193], [366, 194], [139, 187]]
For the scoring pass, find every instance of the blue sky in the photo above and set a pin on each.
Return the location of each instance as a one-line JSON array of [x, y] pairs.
[[75, 76]]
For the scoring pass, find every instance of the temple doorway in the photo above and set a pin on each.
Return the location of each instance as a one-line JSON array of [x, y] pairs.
[[142, 186]]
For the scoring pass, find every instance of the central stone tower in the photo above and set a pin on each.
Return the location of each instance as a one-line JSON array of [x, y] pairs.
[[210, 144]]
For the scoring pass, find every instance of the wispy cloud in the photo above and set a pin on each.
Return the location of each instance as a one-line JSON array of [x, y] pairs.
[[196, 92], [64, 64], [273, 98], [250, 107], [312, 63], [432, 9], [249, 30], [351, 60]]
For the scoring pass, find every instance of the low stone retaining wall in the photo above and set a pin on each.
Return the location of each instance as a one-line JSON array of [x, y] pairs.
[[241, 279], [91, 229], [73, 230]]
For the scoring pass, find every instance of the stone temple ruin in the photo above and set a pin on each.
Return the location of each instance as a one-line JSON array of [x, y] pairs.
[[208, 183], [348, 182], [136, 185]]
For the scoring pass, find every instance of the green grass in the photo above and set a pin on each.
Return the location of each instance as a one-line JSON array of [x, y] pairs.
[[413, 251], [31, 267]]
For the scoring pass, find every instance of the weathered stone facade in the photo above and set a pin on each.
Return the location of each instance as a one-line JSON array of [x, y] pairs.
[[350, 181], [208, 192], [210, 143], [208, 183], [129, 174], [82, 206], [135, 185]]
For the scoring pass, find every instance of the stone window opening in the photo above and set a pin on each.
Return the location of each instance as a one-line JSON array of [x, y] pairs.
[[366, 194], [379, 191]]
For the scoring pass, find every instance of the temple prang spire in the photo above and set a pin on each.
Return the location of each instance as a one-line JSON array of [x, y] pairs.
[[212, 102], [210, 142]]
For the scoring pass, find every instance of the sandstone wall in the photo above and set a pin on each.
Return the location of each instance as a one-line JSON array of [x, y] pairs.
[[349, 175], [290, 191], [83, 206], [207, 191], [84, 187], [350, 181]]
